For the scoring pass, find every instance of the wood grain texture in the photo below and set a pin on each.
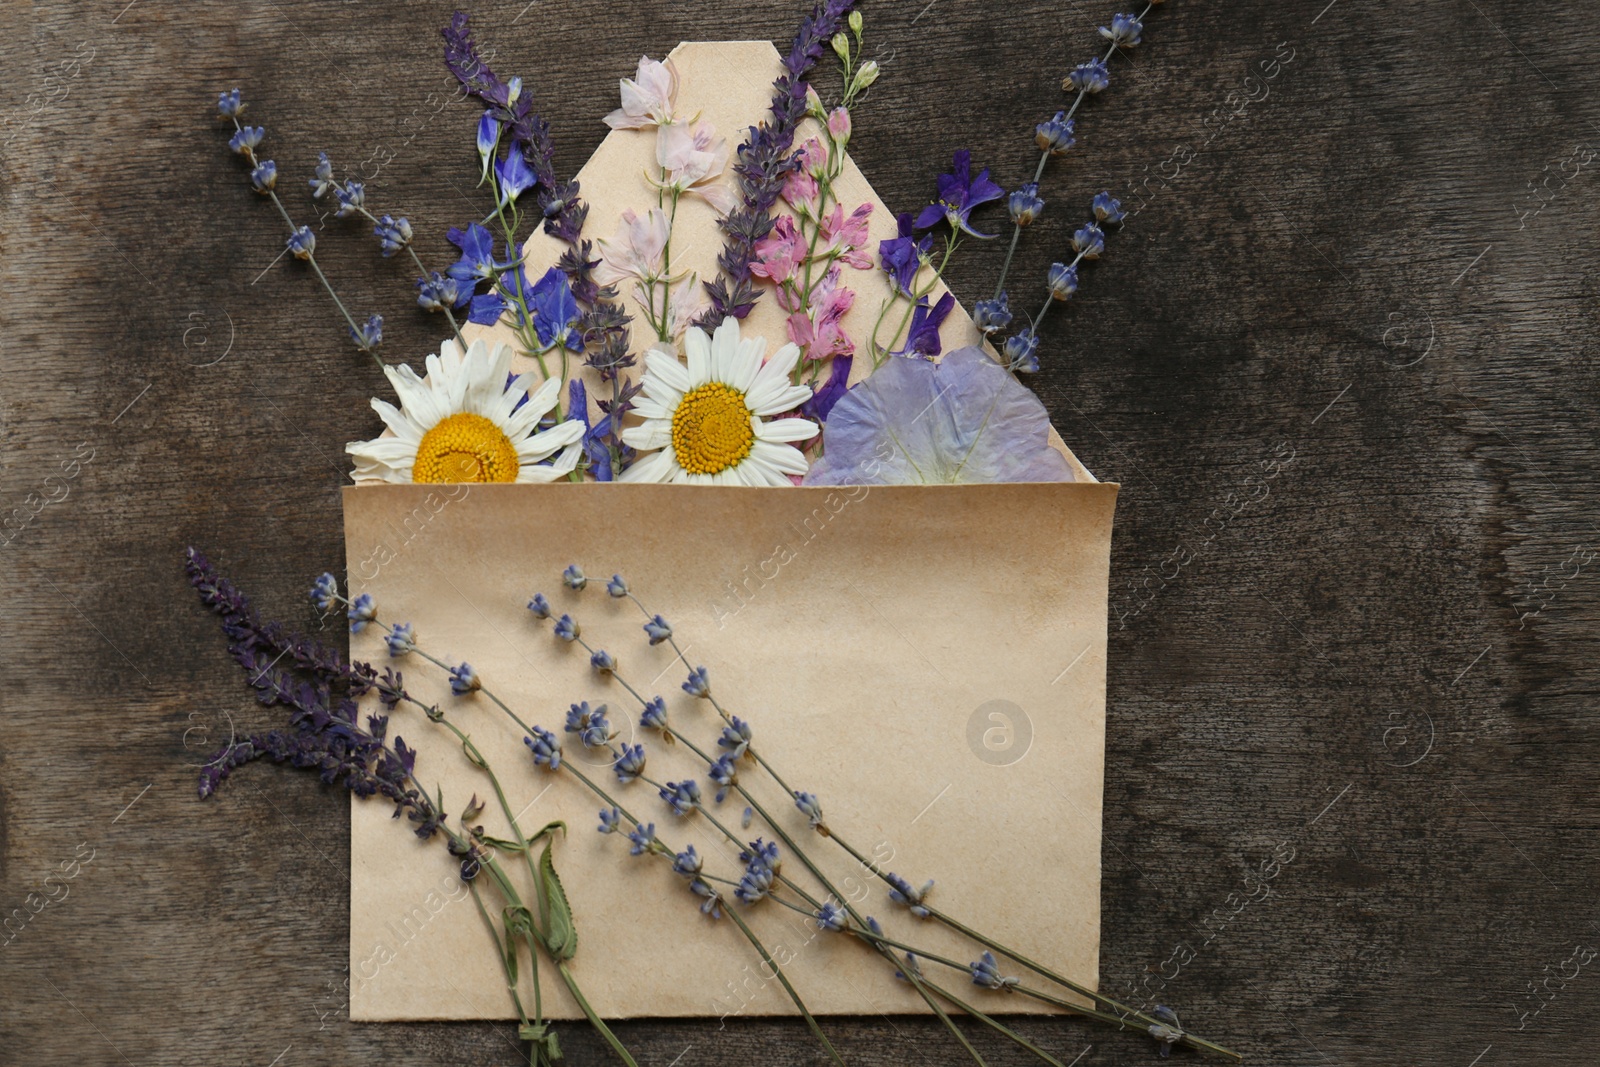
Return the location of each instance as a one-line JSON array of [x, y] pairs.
[[1342, 369]]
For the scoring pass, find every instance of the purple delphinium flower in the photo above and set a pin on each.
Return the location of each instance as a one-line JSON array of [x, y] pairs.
[[963, 419], [902, 256], [763, 163], [959, 194], [828, 393], [922, 337], [515, 177]]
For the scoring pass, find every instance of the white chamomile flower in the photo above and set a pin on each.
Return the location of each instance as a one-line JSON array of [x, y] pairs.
[[462, 424], [708, 419]]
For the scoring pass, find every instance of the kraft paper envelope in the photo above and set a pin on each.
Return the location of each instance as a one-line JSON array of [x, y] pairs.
[[929, 661]]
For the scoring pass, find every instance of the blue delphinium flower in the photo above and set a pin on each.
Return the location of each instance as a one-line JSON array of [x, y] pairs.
[[590, 724], [362, 611], [658, 630], [370, 335], [959, 194], [699, 683], [477, 262], [630, 764], [602, 661], [488, 142], [246, 139], [687, 863], [1124, 31], [1091, 77], [322, 181], [1107, 208], [1062, 281], [464, 680], [352, 197], [567, 629], [922, 336], [229, 105], [1054, 135], [437, 291], [683, 797], [735, 737], [654, 716], [904, 255], [902, 893], [302, 243], [992, 316], [643, 837], [546, 748], [263, 176], [610, 820], [573, 578], [616, 587], [1022, 352], [324, 591], [515, 178], [555, 311], [1089, 241], [809, 806], [1024, 204], [539, 606], [831, 917], [393, 234], [401, 639], [725, 774], [986, 972]]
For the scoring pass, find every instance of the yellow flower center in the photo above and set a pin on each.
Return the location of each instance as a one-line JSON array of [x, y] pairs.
[[711, 429], [465, 448]]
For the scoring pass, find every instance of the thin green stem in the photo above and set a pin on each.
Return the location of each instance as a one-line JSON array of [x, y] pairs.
[[500, 949], [594, 1019]]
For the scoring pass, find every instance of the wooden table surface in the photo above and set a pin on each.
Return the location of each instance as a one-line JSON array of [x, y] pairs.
[[1341, 361]]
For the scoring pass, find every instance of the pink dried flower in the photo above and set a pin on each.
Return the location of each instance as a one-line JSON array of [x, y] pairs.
[[687, 303], [839, 125], [846, 237], [648, 98], [780, 253], [800, 187], [820, 333], [636, 249], [693, 160]]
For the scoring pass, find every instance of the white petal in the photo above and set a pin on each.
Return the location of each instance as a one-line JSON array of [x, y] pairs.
[[540, 401], [543, 444], [745, 365], [671, 373], [416, 398], [657, 467], [564, 465], [785, 458], [698, 348], [785, 430], [649, 407], [649, 436], [775, 397], [404, 428]]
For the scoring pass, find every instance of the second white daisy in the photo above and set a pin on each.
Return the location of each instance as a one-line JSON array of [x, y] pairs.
[[712, 420]]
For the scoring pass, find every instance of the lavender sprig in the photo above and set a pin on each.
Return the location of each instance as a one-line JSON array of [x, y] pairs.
[[765, 159], [302, 242], [1055, 135]]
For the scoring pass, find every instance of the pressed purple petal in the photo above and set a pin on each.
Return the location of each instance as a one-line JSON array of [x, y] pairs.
[[964, 419]]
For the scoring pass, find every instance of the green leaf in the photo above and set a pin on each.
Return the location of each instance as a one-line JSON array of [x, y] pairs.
[[500, 843], [561, 936], [510, 947]]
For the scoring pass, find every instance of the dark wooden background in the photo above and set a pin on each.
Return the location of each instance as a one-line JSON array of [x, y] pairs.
[[1342, 367]]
